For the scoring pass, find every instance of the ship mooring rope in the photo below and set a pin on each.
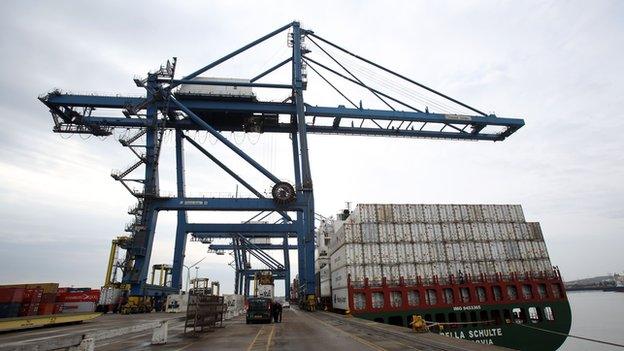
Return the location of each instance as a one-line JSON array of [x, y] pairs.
[[571, 336]]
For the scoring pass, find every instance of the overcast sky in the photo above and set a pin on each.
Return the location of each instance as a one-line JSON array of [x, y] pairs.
[[558, 65]]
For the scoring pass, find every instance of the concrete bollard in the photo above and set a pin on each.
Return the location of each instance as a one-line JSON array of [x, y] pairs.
[[159, 336], [87, 344]]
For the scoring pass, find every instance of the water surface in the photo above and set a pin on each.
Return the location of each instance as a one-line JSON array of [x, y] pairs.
[[596, 315]]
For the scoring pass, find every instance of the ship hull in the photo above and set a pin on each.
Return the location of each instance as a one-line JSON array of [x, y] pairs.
[[512, 333]]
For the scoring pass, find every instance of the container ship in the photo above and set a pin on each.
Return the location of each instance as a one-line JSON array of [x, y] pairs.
[[476, 272]]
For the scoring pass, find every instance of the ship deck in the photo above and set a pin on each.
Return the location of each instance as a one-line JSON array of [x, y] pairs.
[[298, 331]]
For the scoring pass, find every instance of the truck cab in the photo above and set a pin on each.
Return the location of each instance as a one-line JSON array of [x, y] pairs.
[[259, 309]]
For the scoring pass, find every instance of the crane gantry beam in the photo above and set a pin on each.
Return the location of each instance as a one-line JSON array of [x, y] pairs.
[[164, 107], [463, 124]]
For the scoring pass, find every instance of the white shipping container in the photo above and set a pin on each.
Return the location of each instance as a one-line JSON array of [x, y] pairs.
[[407, 271], [533, 248], [421, 252], [522, 231], [496, 253], [525, 252], [487, 250], [370, 232], [265, 290], [429, 236], [474, 213], [179, 302], [373, 273], [390, 272], [509, 231], [457, 253], [446, 231], [405, 252], [325, 288], [446, 213], [472, 268], [535, 231], [398, 232], [415, 213], [417, 232], [439, 269], [463, 213], [353, 233], [501, 267], [347, 254], [75, 307], [518, 214], [217, 90], [401, 213], [384, 213], [340, 298], [339, 277], [461, 231], [479, 252], [540, 248], [110, 295], [465, 253], [491, 268], [389, 253], [386, 233], [365, 213], [421, 270], [430, 213], [488, 229], [437, 233], [325, 272], [491, 213], [372, 253], [438, 253], [512, 249]]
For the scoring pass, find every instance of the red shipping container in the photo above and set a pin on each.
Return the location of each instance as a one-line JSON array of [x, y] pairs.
[[11, 295], [46, 308], [48, 298], [81, 296], [33, 295]]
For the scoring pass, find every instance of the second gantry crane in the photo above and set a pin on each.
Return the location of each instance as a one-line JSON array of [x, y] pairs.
[[181, 105]]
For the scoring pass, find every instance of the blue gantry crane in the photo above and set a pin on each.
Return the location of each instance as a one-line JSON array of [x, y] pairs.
[[164, 107]]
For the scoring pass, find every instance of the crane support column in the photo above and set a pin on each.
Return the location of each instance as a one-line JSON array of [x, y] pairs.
[[143, 238], [180, 240], [306, 234]]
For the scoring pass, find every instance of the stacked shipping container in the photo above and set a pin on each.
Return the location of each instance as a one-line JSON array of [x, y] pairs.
[[22, 300], [426, 241]]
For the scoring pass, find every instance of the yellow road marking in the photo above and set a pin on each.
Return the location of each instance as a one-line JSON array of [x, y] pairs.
[[254, 339], [354, 337], [268, 346]]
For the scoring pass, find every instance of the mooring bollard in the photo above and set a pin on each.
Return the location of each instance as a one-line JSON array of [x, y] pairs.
[[159, 336]]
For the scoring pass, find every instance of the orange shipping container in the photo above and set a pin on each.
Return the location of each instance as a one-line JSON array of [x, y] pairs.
[[46, 308]]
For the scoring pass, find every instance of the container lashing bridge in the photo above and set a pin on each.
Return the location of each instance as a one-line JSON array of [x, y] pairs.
[[163, 108]]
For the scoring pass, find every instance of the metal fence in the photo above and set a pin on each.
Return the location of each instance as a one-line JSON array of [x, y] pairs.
[[204, 311]]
